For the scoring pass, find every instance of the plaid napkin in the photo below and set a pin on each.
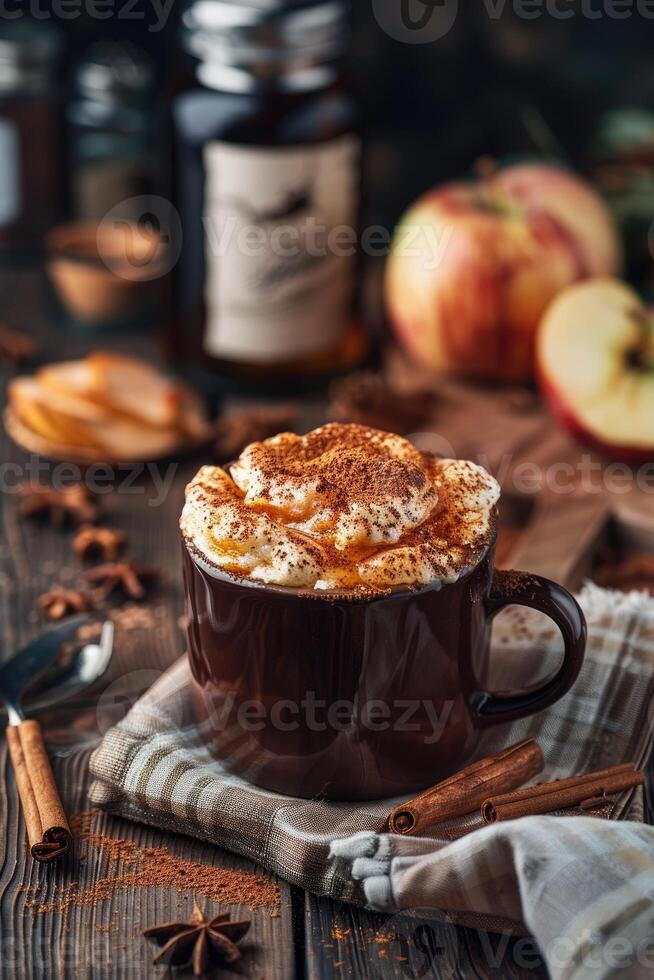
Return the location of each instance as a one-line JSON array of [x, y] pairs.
[[155, 766]]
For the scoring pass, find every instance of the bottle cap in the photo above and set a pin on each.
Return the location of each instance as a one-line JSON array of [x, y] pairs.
[[265, 38]]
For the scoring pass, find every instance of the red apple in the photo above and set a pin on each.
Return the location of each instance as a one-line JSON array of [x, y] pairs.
[[595, 363], [474, 265]]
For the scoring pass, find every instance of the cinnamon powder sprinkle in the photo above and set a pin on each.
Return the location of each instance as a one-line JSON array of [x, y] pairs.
[[509, 582], [344, 507], [145, 867], [346, 461]]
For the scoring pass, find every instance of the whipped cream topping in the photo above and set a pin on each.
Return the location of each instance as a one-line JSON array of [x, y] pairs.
[[343, 507]]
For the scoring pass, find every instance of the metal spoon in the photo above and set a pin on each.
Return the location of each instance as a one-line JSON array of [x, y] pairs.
[[47, 826], [89, 664]]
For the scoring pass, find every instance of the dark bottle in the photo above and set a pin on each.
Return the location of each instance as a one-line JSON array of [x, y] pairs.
[[114, 127], [267, 188], [32, 197]]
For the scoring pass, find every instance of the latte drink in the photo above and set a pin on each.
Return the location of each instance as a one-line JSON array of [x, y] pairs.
[[339, 592]]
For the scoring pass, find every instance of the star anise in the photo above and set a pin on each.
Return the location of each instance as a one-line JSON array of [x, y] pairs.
[[70, 504], [59, 602], [126, 576], [17, 346], [198, 941], [98, 542], [369, 399], [238, 429]]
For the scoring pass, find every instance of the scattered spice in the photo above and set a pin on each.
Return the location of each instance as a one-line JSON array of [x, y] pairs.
[[146, 867], [125, 576], [58, 603], [132, 617], [199, 941], [369, 399], [235, 431], [71, 504], [509, 582], [17, 346], [376, 941], [98, 542]]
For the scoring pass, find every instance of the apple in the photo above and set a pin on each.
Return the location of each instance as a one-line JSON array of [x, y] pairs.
[[595, 365], [474, 265]]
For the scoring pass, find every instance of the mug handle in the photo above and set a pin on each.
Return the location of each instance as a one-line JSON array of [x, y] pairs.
[[536, 592]]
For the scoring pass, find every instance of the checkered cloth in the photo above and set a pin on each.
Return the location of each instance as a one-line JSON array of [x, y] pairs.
[[551, 876]]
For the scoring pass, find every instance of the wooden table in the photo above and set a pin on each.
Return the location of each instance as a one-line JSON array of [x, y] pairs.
[[312, 937]]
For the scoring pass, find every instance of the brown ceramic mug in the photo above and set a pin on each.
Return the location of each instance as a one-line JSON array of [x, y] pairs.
[[349, 697]]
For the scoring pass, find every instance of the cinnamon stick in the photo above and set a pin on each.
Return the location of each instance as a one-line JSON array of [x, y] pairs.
[[47, 827], [466, 790], [562, 793]]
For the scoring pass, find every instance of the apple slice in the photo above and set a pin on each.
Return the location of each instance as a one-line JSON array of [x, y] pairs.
[[67, 378], [132, 389], [595, 360], [193, 423], [54, 415], [135, 388], [71, 421], [122, 384], [126, 441], [32, 412]]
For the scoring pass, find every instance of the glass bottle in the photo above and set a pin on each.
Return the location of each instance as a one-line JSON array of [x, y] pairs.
[[32, 197], [113, 128], [266, 156]]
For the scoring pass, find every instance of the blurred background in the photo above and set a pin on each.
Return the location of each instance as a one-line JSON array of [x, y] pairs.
[[109, 110], [568, 80], [497, 82]]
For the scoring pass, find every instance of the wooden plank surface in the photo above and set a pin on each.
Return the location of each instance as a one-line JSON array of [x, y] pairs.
[[313, 938], [343, 941], [104, 940]]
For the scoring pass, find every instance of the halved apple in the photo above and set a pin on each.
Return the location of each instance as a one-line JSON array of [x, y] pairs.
[[595, 362]]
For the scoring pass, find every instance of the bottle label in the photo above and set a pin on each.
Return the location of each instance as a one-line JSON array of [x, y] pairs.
[[280, 245]]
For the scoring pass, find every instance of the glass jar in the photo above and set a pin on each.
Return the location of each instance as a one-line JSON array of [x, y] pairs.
[[267, 168], [32, 197], [113, 128]]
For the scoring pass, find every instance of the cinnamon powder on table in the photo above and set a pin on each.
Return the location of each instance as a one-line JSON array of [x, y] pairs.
[[144, 867]]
